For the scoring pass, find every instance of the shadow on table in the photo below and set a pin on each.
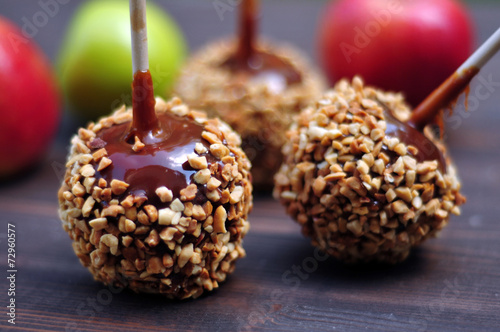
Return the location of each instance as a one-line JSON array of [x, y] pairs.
[[307, 263]]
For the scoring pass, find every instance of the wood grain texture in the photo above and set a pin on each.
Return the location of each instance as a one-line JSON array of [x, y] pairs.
[[448, 284]]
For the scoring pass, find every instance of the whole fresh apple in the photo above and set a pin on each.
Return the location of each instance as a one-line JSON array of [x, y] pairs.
[[401, 45], [95, 63], [29, 101]]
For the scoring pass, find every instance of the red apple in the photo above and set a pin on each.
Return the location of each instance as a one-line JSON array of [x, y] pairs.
[[29, 101], [401, 45]]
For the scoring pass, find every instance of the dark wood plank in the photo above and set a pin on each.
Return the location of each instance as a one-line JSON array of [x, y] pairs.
[[448, 284]]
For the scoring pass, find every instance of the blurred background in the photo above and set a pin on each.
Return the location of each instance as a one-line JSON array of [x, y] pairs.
[[293, 21]]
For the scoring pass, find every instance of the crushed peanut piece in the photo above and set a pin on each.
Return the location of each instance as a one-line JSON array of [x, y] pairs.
[[138, 145], [189, 193], [164, 194], [197, 162], [105, 162], [220, 220], [118, 187]]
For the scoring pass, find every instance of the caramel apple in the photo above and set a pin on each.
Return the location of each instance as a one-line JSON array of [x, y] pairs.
[[254, 85], [361, 181], [156, 197]]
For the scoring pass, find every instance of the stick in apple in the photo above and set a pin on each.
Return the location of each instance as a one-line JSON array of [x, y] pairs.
[[248, 30], [144, 121], [455, 84], [268, 67]]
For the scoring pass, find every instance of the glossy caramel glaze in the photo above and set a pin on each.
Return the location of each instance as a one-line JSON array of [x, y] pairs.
[[406, 133], [427, 150], [163, 163], [265, 67]]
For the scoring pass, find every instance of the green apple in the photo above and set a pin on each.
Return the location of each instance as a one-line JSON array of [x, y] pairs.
[[95, 63]]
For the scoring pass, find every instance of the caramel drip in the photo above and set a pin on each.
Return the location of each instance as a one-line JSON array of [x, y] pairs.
[[145, 123], [440, 98], [248, 30]]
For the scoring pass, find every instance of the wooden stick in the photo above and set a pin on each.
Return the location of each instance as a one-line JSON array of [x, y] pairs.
[[450, 89], [483, 54], [139, 33], [144, 121], [248, 27]]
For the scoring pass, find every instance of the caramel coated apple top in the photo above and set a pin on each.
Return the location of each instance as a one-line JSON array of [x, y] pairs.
[[190, 148], [378, 119], [254, 64]]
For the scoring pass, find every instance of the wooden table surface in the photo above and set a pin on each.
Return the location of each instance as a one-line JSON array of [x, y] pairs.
[[451, 283]]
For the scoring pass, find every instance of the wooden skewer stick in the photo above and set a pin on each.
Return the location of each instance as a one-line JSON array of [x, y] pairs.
[[139, 32], [248, 30], [143, 101], [449, 90]]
